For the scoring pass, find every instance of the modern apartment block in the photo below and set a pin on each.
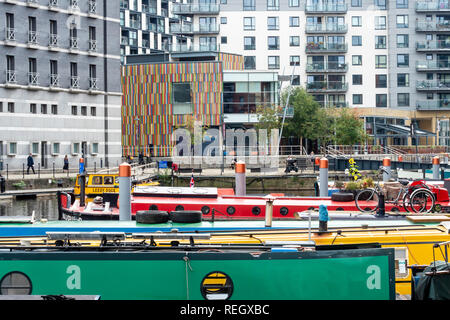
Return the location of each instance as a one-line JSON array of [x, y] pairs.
[[146, 26], [60, 90]]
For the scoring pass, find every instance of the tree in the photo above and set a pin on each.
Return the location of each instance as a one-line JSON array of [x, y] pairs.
[[268, 117], [349, 128]]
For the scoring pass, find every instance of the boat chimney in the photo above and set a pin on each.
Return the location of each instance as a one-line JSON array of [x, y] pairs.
[[323, 177], [323, 218], [125, 192], [269, 212], [240, 179]]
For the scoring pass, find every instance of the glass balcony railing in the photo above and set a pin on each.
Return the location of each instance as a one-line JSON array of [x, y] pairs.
[[195, 29], [430, 6], [432, 65], [326, 67], [437, 45], [180, 48], [326, 47], [326, 28], [432, 85], [326, 8], [433, 105], [433, 26], [325, 86], [180, 8]]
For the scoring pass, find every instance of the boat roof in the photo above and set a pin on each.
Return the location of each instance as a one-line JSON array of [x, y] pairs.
[[158, 191]]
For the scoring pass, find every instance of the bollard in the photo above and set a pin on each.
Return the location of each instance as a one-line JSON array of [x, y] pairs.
[[125, 192], [436, 165], [240, 178], [323, 218], [323, 176], [269, 212], [387, 167], [381, 206]]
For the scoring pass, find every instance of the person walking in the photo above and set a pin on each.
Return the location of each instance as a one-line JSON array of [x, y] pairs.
[[66, 163], [30, 164]]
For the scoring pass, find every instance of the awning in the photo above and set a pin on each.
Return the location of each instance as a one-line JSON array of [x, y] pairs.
[[403, 130]]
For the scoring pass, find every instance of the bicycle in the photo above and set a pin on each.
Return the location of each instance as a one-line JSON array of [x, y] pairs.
[[415, 196]]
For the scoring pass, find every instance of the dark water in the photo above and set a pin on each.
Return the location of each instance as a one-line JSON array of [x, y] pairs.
[[44, 207]]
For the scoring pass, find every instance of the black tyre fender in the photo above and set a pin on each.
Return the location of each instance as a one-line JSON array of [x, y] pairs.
[[185, 216], [152, 216], [342, 196]]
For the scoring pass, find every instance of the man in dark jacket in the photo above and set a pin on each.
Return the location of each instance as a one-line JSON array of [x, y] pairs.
[[30, 164]]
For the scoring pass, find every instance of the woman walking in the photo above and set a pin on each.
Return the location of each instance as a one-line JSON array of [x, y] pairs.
[[66, 163]]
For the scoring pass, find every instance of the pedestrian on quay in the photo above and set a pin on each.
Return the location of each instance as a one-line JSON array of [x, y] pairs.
[[30, 164], [66, 163]]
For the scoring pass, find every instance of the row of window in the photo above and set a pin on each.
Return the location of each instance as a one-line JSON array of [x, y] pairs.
[[381, 100], [44, 109], [381, 80], [73, 4], [272, 5], [55, 148]]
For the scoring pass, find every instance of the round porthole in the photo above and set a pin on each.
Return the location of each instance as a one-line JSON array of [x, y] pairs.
[[153, 207], [179, 208], [15, 283], [231, 210], [216, 286], [284, 211], [205, 209], [256, 211]]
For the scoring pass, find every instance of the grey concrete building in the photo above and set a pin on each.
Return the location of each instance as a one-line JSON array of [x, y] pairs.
[[60, 91]]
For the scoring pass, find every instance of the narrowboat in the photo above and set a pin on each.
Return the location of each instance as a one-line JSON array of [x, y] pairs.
[[112, 266]]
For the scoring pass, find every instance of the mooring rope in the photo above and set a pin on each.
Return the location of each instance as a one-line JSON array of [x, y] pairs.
[[187, 264]]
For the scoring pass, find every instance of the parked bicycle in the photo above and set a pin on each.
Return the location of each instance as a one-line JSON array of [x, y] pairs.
[[415, 196]]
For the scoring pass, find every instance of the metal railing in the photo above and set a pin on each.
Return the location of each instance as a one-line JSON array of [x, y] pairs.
[[74, 82], [317, 86], [432, 26], [432, 85], [93, 45], [32, 37], [326, 47], [326, 7], [326, 28], [54, 80], [433, 45], [33, 78], [53, 40], [11, 76], [326, 67]]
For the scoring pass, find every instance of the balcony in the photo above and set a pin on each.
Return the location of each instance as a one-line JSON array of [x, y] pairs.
[[443, 26], [432, 65], [10, 36], [53, 41], [320, 47], [429, 46], [33, 79], [434, 6], [53, 4], [11, 77], [93, 84], [195, 29], [33, 3], [326, 28], [149, 9], [326, 8], [32, 39], [124, 41], [73, 44], [145, 43], [74, 83], [189, 9], [136, 24], [326, 86], [74, 6], [54, 81], [432, 85], [335, 104], [433, 105], [182, 48], [326, 67], [92, 10], [92, 45]]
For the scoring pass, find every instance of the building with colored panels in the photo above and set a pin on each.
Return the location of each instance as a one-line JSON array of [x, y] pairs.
[[161, 96]]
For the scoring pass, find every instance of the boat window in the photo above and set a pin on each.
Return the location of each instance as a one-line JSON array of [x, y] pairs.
[[15, 283], [109, 180], [401, 263], [217, 286], [97, 180]]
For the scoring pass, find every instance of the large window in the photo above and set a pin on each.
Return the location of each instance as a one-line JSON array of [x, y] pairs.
[[273, 4], [380, 42], [356, 21], [381, 62], [356, 3], [357, 99], [272, 23], [249, 43], [402, 41], [357, 79], [249, 62], [182, 103], [294, 41], [380, 23], [403, 99], [403, 60], [403, 80], [357, 60], [381, 4], [294, 21], [356, 40], [294, 60], [380, 81], [402, 21], [273, 62], [273, 43], [402, 4], [381, 100], [249, 23], [249, 5], [294, 3]]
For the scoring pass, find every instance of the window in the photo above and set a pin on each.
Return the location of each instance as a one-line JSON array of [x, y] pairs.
[[182, 103], [272, 23], [402, 4], [380, 23], [1, 106], [83, 111], [403, 80], [357, 99], [223, 20], [403, 60], [294, 41], [356, 40], [35, 148], [403, 99], [249, 23], [75, 148], [381, 62], [12, 149], [294, 3], [381, 4], [273, 62], [273, 43], [357, 79], [11, 107], [223, 1], [294, 21], [43, 108], [249, 5], [273, 5], [357, 60], [56, 147], [15, 283], [402, 41], [429, 57], [402, 21], [223, 40], [249, 43], [295, 81], [294, 60], [74, 110], [33, 108], [380, 42], [356, 21], [94, 148], [381, 100], [54, 109], [249, 62], [356, 3], [380, 81], [93, 111]]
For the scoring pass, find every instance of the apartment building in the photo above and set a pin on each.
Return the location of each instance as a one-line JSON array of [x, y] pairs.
[[60, 90]]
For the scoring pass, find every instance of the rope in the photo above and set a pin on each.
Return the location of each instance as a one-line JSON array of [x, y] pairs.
[[187, 264]]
